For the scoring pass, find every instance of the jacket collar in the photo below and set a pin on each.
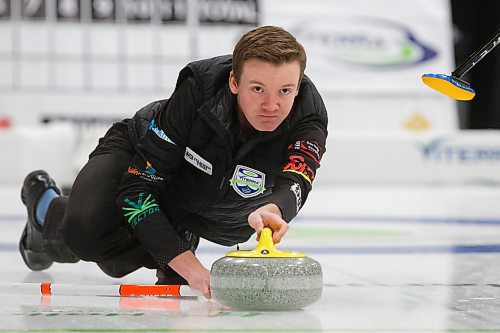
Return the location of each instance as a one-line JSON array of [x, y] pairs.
[[220, 110]]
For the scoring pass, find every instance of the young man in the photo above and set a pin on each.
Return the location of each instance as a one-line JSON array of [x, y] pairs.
[[234, 149]]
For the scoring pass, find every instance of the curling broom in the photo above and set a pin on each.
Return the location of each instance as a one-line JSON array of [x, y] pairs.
[[453, 86], [125, 290]]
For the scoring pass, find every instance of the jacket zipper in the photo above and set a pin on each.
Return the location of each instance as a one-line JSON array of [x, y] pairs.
[[244, 149], [222, 182]]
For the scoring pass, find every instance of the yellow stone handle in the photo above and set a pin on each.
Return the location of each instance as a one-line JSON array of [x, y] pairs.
[[266, 244], [265, 248]]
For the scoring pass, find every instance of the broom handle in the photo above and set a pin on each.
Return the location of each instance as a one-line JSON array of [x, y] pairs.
[[476, 56], [131, 290]]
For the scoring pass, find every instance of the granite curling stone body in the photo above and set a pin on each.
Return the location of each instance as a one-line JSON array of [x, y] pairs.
[[266, 279]]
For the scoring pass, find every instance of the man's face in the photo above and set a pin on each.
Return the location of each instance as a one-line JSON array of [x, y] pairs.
[[266, 92]]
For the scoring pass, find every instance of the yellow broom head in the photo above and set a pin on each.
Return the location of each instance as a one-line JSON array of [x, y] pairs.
[[449, 86]]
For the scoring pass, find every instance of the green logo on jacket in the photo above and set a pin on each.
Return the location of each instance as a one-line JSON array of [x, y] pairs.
[[140, 209]]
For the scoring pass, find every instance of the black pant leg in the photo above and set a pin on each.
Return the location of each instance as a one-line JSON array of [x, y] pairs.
[[52, 242], [91, 225], [93, 228]]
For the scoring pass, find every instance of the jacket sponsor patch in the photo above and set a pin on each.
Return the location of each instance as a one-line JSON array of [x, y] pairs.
[[159, 132], [149, 174], [308, 147], [295, 188], [198, 161], [298, 165], [248, 182], [140, 209]]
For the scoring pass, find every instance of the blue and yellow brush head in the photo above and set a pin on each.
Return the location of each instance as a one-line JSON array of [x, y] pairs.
[[449, 86]]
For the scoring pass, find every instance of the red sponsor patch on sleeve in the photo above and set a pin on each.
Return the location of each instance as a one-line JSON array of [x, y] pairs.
[[298, 165]]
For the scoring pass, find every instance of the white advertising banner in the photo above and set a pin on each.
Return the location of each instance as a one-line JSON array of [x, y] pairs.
[[417, 114], [63, 61], [444, 158], [381, 46]]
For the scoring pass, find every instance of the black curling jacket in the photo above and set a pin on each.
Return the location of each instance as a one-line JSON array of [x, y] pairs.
[[191, 172]]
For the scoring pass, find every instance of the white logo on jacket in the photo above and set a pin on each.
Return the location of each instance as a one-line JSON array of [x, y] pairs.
[[198, 161], [295, 188]]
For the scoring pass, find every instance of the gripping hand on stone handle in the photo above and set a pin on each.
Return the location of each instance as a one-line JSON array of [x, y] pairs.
[[268, 216]]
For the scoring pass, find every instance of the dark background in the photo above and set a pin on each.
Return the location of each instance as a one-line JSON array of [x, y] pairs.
[[475, 23]]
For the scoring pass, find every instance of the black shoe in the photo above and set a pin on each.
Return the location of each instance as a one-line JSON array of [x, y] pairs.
[[31, 244]]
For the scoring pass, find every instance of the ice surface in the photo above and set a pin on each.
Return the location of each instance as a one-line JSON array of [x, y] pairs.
[[393, 259]]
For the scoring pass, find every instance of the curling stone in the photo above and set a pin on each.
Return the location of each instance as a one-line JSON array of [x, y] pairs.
[[265, 278]]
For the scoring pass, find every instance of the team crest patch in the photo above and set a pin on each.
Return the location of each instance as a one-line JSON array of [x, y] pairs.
[[248, 182]]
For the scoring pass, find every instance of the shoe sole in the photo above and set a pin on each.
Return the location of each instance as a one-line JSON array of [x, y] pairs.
[[35, 261]]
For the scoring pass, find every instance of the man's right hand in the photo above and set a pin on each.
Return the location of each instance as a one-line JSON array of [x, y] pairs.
[[190, 268], [268, 216]]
